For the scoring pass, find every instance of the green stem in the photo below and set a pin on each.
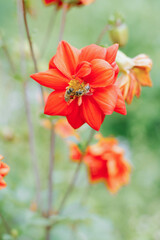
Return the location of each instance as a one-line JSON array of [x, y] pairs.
[[76, 174]]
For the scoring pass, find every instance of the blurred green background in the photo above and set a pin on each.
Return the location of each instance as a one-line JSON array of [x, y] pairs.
[[133, 213]]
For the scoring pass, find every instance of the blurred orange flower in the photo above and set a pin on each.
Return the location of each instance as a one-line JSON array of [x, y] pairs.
[[64, 129], [61, 126], [135, 73], [4, 169], [106, 163]]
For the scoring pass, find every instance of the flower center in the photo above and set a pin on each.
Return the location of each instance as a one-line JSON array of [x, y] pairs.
[[76, 89]]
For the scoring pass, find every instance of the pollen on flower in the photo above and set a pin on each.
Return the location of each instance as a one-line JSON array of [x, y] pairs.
[[76, 88]]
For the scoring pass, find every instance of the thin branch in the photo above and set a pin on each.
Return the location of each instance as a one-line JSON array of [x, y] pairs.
[[30, 44], [50, 27], [5, 223], [5, 49], [63, 21], [27, 108], [50, 178], [76, 173], [104, 30], [32, 146]]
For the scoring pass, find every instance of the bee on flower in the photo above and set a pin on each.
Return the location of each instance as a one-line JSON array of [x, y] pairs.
[[135, 73], [105, 162], [4, 169], [84, 84]]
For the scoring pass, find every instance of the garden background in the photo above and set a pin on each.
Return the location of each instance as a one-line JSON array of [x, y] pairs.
[[133, 213]]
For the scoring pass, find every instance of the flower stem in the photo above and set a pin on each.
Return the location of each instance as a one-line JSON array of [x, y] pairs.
[[5, 223], [76, 173], [49, 30], [101, 35], [63, 21], [5, 49], [50, 178], [28, 110], [30, 45]]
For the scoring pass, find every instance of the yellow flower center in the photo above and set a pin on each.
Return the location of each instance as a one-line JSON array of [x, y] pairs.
[[76, 89]]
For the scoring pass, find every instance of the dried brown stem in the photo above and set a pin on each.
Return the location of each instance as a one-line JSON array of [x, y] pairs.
[[27, 108]]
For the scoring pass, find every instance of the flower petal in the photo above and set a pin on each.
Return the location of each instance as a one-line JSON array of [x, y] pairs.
[[2, 183], [83, 69], [111, 53], [106, 98], [75, 118], [56, 104], [142, 76], [51, 63], [92, 113], [66, 58], [96, 167], [102, 74], [51, 79], [91, 52], [120, 105]]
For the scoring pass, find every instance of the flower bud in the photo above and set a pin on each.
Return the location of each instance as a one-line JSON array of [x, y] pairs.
[[14, 233], [118, 30]]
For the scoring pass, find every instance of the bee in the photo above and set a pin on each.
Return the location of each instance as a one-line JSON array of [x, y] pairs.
[[87, 88], [68, 94], [79, 93]]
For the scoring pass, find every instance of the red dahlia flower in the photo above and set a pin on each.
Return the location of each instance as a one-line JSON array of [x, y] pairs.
[[106, 163], [4, 169], [84, 84]]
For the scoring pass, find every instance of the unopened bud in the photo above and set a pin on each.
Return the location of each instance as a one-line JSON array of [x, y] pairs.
[[14, 233], [118, 30]]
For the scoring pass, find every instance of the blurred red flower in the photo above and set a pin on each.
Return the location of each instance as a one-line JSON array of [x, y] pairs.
[[4, 169], [64, 129], [106, 163], [59, 3], [84, 84], [135, 73]]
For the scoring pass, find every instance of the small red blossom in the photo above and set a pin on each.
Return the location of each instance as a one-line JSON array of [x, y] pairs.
[[84, 84], [4, 169], [106, 163], [71, 3], [58, 3], [135, 73]]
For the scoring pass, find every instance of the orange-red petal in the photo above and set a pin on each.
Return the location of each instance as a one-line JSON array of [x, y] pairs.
[[2, 183], [91, 52], [4, 169], [111, 53], [120, 105], [52, 78], [83, 69], [106, 98], [56, 104], [75, 117], [102, 74], [92, 113], [66, 58]]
